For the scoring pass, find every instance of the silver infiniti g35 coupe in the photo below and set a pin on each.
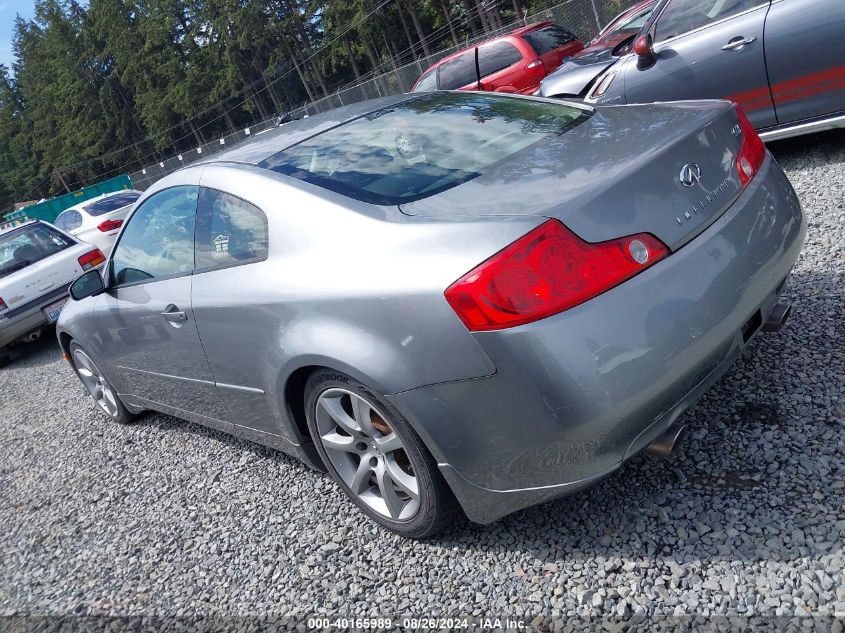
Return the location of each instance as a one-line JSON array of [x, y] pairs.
[[447, 300]]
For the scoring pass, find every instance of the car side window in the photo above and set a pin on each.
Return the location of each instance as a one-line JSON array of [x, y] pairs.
[[230, 231], [548, 38], [497, 56], [682, 16], [427, 82], [158, 241], [458, 72], [69, 220]]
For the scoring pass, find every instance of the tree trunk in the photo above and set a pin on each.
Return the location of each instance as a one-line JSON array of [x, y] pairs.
[[446, 15], [405, 28], [482, 15], [519, 10], [369, 48], [393, 55], [230, 123], [273, 98], [298, 70], [306, 43], [262, 110], [319, 75], [197, 133], [416, 20], [351, 54], [473, 27]]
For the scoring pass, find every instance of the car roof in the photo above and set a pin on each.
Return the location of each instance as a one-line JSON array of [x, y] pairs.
[[15, 227], [263, 145], [504, 36]]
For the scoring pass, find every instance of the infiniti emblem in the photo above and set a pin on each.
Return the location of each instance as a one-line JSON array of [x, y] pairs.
[[690, 174]]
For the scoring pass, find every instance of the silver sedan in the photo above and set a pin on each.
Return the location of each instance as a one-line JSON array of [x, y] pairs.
[[450, 301]]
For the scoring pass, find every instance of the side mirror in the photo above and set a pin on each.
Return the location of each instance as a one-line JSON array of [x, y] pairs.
[[644, 48], [88, 285]]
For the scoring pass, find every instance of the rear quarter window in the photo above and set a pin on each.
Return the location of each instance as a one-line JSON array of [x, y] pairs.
[[497, 56], [548, 38]]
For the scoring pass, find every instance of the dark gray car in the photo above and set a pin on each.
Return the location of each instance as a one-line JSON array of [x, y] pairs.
[[448, 297], [782, 60]]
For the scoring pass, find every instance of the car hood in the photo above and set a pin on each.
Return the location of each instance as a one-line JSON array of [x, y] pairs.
[[578, 72]]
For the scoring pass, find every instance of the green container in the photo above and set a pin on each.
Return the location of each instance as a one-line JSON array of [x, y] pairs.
[[50, 209]]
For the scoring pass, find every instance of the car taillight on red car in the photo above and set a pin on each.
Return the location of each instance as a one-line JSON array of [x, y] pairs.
[[109, 225], [547, 271], [536, 68], [752, 152], [91, 259]]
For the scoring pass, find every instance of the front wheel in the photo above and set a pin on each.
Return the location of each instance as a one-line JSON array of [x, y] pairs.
[[375, 456], [100, 389]]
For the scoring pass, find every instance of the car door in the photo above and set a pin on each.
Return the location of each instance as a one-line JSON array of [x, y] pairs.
[[236, 326], [805, 55], [707, 49], [144, 320]]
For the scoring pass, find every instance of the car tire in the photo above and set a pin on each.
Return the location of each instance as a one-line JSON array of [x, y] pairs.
[[379, 464], [98, 386]]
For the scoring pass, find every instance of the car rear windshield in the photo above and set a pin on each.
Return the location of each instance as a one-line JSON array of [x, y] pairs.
[[112, 203], [28, 244], [423, 146], [548, 38]]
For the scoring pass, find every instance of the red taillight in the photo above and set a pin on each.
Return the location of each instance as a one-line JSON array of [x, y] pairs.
[[91, 259], [547, 271], [2, 304], [752, 152], [110, 225], [536, 68]]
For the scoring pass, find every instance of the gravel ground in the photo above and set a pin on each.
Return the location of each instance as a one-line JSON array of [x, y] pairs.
[[166, 518]]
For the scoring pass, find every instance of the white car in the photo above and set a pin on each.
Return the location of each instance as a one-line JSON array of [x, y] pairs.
[[98, 220], [37, 264]]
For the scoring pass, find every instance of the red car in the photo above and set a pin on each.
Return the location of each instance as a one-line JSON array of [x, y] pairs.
[[515, 62]]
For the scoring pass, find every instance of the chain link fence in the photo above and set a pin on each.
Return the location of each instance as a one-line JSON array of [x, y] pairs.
[[585, 18]]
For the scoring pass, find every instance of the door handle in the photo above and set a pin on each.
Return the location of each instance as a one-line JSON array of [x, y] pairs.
[[173, 315], [738, 43]]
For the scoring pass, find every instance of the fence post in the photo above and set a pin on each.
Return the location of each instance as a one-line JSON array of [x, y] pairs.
[[596, 13]]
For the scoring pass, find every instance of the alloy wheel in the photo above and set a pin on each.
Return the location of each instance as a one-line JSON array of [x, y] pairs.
[[95, 382], [368, 455]]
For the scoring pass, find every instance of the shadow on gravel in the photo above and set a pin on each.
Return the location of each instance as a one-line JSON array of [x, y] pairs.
[[44, 351], [824, 147]]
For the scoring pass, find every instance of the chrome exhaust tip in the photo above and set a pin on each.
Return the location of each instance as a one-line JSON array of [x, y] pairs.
[[778, 316], [666, 444], [32, 336]]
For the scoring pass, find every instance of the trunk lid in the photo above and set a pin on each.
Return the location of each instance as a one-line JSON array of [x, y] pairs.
[[616, 174]]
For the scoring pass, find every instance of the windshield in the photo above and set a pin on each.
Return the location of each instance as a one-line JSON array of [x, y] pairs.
[[423, 146], [31, 243], [112, 203], [633, 24]]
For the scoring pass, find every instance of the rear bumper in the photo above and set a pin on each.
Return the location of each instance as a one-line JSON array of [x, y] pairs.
[[576, 394], [30, 319]]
